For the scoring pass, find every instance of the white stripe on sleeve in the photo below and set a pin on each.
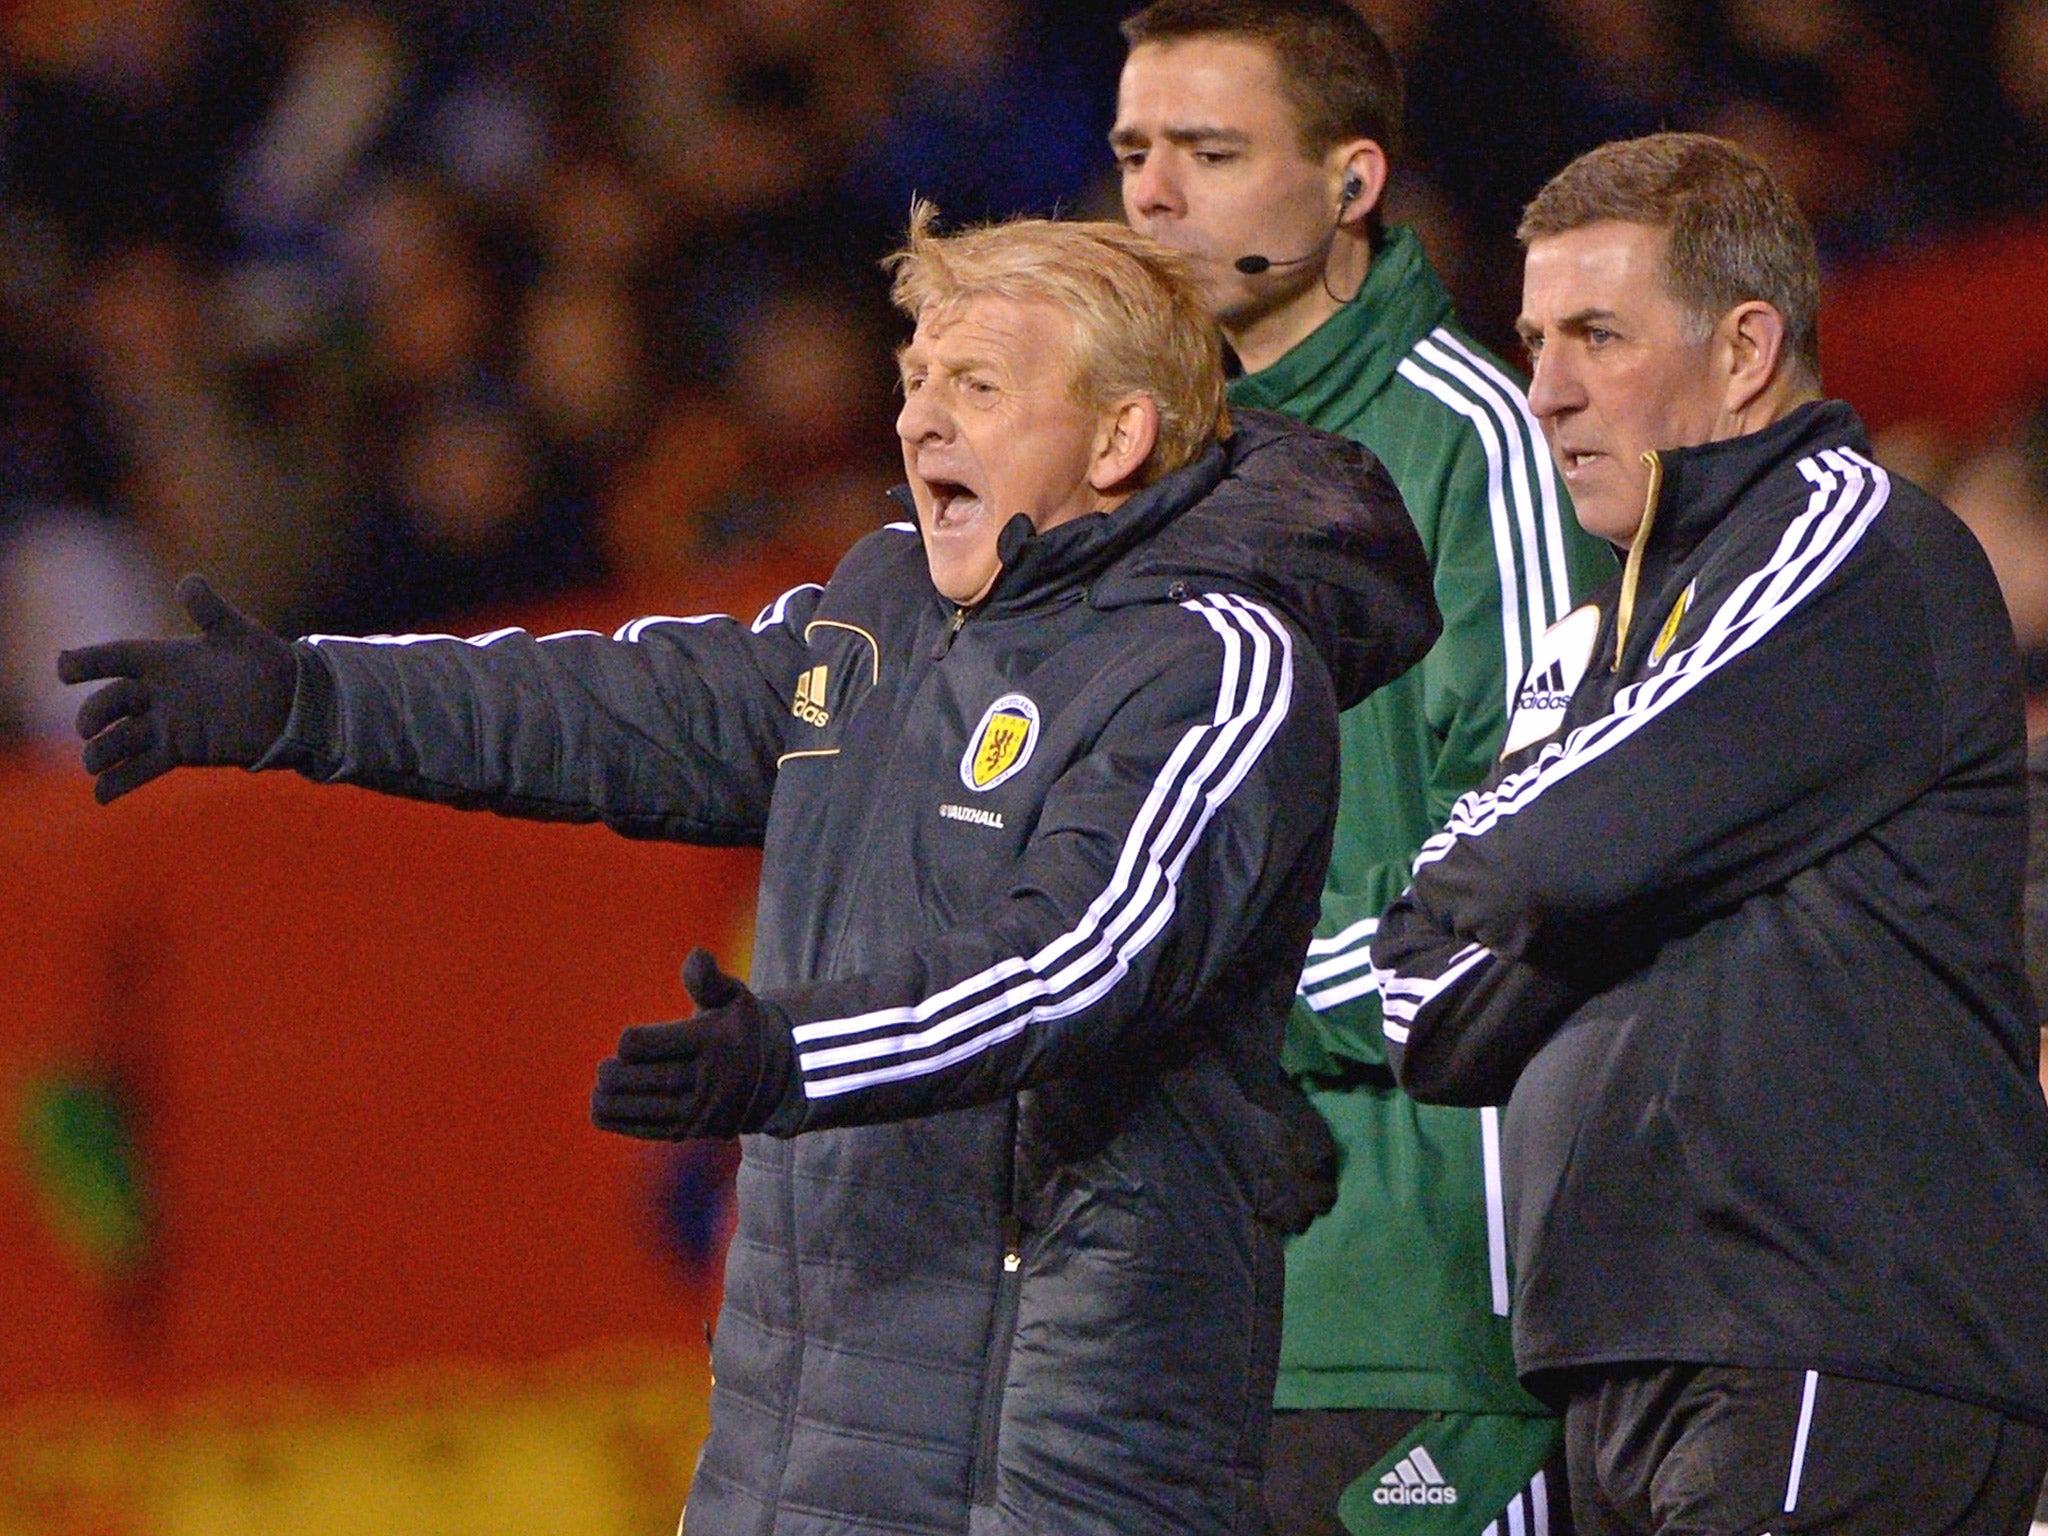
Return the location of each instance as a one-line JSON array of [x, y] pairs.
[[1403, 997], [629, 632], [1331, 975], [1076, 969], [1337, 965], [1497, 507], [632, 632], [1522, 497], [1508, 393], [772, 615], [1364, 928], [490, 637], [1849, 493], [1326, 998]]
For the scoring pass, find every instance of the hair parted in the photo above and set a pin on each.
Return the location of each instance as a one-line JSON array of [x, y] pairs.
[[1735, 233], [1139, 325], [1339, 76]]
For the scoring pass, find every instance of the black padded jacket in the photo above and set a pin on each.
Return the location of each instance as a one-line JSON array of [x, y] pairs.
[[1738, 922], [1037, 882]]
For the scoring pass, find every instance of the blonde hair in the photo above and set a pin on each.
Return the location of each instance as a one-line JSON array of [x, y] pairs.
[[1137, 321], [1734, 232]]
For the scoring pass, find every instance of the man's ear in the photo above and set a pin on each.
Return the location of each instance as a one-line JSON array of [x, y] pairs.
[[1361, 167], [1751, 339], [1124, 440]]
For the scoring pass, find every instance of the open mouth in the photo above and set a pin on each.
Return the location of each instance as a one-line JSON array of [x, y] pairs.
[[953, 502]]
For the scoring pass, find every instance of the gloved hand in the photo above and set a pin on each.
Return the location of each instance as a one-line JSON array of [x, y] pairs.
[[725, 1071], [218, 699], [1304, 1183], [1301, 1155]]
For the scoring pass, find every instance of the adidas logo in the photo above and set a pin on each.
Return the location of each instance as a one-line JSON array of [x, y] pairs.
[[1546, 690], [810, 698], [1415, 1480]]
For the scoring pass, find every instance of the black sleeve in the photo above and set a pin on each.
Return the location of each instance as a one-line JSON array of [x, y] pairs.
[[669, 728], [1459, 1021]]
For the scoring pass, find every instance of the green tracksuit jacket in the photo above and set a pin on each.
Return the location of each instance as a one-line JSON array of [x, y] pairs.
[[1398, 1298]]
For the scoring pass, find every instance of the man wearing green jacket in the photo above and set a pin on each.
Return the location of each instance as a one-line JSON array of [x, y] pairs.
[[1253, 134]]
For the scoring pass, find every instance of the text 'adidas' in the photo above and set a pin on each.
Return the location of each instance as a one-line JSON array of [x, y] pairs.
[[1415, 1480]]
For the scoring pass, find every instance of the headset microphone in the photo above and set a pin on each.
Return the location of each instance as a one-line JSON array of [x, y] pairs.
[[1252, 266]]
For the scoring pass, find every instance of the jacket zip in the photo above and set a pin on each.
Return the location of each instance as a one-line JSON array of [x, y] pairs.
[[952, 628], [1632, 570], [981, 1491], [912, 683]]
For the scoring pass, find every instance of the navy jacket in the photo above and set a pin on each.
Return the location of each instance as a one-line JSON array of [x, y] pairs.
[[1738, 925], [1037, 882]]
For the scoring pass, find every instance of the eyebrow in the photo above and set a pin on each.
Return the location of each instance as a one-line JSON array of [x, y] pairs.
[[1577, 320], [1122, 138], [967, 364]]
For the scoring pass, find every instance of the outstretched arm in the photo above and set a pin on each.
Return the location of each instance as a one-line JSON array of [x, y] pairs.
[[669, 728]]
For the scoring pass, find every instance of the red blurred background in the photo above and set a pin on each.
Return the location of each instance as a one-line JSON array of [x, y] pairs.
[[348, 1042]]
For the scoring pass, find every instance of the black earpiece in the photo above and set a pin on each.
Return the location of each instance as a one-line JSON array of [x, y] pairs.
[[1352, 187]]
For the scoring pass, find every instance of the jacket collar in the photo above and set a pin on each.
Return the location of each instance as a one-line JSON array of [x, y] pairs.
[[1356, 350], [1280, 513], [1692, 490], [1037, 564]]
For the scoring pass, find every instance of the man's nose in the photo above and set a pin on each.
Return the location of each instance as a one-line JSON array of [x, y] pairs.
[[922, 420], [1552, 388], [1152, 189]]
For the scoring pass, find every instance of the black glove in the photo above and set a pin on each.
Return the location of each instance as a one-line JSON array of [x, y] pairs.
[[1300, 1154], [727, 1070], [218, 700], [1303, 1180]]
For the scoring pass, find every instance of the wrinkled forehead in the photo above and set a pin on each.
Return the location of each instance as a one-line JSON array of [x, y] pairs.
[[1018, 336], [1610, 266]]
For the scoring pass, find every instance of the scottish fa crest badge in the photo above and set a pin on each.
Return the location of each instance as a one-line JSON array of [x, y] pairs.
[[1001, 745]]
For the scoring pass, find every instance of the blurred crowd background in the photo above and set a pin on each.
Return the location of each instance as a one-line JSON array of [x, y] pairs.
[[430, 313], [440, 314]]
